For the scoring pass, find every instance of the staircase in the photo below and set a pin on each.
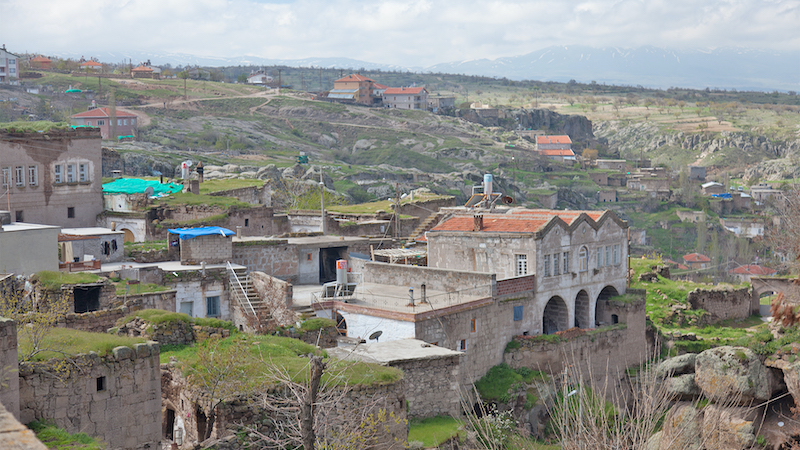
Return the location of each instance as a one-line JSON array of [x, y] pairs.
[[430, 222], [245, 294]]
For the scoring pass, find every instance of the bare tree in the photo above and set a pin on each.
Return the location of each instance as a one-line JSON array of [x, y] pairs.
[[36, 314]]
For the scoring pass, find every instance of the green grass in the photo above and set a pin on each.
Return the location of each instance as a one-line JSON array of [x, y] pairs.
[[52, 281], [123, 288], [181, 198], [159, 316], [33, 127], [380, 205], [289, 354], [210, 186], [146, 246], [494, 386], [73, 342], [57, 438], [433, 431], [316, 324]]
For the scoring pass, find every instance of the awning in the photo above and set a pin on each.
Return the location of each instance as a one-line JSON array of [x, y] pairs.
[[188, 233]]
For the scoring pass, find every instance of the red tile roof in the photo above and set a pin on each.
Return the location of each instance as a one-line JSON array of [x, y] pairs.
[[91, 63], [556, 152], [566, 216], [354, 77], [101, 113], [553, 140], [142, 68], [404, 90], [696, 257], [753, 269], [498, 223], [379, 86], [41, 59]]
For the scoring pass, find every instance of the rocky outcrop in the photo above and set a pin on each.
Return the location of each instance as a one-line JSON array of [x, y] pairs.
[[135, 164], [681, 429], [733, 375]]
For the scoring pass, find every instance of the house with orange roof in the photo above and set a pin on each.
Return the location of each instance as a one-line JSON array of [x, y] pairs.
[[91, 66], [697, 261], [354, 88], [40, 62], [558, 148], [745, 272], [125, 121], [406, 98]]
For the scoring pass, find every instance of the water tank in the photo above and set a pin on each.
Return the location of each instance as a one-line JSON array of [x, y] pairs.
[[341, 272], [487, 186]]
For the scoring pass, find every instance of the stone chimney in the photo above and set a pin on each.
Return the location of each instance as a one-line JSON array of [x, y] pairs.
[[477, 222]]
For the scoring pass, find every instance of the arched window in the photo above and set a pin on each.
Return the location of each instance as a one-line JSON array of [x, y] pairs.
[[583, 259]]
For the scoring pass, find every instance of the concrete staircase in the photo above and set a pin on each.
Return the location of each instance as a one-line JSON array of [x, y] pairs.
[[430, 222], [245, 294]]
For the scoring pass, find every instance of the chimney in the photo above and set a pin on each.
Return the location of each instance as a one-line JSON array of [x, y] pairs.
[[477, 222]]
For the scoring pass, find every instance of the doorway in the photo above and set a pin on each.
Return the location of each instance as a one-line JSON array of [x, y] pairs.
[[86, 298], [327, 262]]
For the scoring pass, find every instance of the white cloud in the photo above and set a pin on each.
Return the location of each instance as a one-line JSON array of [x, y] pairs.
[[412, 32]]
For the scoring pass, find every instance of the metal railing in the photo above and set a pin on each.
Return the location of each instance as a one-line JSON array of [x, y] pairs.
[[241, 292]]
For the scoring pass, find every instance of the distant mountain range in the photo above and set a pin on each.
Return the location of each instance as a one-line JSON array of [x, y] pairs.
[[724, 68]]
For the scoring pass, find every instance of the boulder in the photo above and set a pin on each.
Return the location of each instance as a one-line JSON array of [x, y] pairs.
[[678, 365], [723, 428], [268, 172], [732, 375], [682, 387], [654, 442], [681, 429]]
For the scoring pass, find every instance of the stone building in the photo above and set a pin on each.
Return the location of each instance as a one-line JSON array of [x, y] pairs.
[[490, 278], [406, 98], [355, 88], [53, 178], [111, 123], [27, 248]]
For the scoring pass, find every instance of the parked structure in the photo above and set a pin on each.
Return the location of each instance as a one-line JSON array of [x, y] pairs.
[[52, 178], [405, 98]]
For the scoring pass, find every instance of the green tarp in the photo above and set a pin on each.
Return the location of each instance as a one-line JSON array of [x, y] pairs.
[[138, 186]]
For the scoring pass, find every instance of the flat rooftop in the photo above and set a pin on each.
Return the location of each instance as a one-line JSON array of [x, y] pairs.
[[306, 241], [22, 226], [389, 352], [90, 231], [166, 266]]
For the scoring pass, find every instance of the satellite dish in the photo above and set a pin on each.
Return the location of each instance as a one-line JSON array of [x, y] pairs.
[[376, 335], [149, 191]]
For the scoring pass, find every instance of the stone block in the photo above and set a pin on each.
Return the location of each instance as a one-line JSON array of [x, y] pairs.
[[122, 353]]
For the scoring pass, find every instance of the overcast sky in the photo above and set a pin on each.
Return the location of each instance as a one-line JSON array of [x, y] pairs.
[[408, 33]]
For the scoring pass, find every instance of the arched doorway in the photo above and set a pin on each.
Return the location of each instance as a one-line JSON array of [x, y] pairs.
[[601, 314], [556, 316], [583, 318], [128, 235]]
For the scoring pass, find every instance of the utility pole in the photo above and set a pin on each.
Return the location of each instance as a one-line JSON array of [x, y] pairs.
[[397, 210], [320, 80], [280, 83], [322, 200]]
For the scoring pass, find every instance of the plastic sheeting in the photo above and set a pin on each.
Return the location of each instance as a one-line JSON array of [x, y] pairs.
[[188, 233], [138, 186]]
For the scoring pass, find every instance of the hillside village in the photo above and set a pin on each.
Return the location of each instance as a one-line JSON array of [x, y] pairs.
[[180, 269]]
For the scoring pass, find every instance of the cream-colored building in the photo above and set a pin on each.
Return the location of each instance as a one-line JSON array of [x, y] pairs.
[[27, 248]]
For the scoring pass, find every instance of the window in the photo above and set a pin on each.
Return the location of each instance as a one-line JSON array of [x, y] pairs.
[[608, 255], [71, 212], [12, 70], [6, 176], [616, 254], [101, 384], [247, 222], [83, 172], [522, 265], [101, 122], [556, 264], [547, 265], [583, 260], [70, 173], [119, 122], [124, 121], [599, 257], [517, 313], [565, 258], [89, 122], [212, 306], [58, 177], [473, 325], [462, 345], [19, 174], [33, 175]]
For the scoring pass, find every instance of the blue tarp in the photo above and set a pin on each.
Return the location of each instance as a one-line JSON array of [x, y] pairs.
[[188, 233], [725, 195]]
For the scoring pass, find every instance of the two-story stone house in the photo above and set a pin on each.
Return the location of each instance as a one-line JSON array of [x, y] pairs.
[[124, 121], [406, 98]]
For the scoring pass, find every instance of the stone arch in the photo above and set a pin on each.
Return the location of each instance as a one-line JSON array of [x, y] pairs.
[[600, 310], [129, 236], [556, 316], [583, 313]]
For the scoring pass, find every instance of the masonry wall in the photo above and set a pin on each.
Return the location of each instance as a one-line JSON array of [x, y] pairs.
[[255, 195], [434, 279], [209, 249], [125, 413], [9, 388], [432, 386], [95, 321], [724, 304], [424, 208], [273, 257], [47, 201], [196, 291]]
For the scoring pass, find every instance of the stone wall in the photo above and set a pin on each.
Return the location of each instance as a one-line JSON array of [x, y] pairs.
[[210, 249], [323, 338], [255, 221], [9, 388], [601, 352], [724, 304], [272, 256], [170, 333], [165, 300], [116, 398], [96, 321], [434, 279], [180, 397], [424, 208], [432, 386], [255, 195]]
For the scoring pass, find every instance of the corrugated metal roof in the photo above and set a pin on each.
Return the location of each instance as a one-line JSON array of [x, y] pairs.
[[342, 96]]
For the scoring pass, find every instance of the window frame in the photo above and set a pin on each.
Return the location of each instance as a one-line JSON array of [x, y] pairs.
[[583, 259], [58, 174], [213, 300], [547, 265], [19, 174], [33, 175], [521, 265], [71, 173], [616, 255], [565, 260], [599, 257], [6, 176], [83, 172], [518, 313]]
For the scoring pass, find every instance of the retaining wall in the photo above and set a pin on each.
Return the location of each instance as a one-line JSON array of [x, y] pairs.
[[724, 304]]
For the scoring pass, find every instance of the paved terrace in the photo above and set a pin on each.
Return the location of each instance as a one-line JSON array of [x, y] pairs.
[[167, 266]]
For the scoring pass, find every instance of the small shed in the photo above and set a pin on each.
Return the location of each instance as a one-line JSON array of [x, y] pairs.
[[211, 245]]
